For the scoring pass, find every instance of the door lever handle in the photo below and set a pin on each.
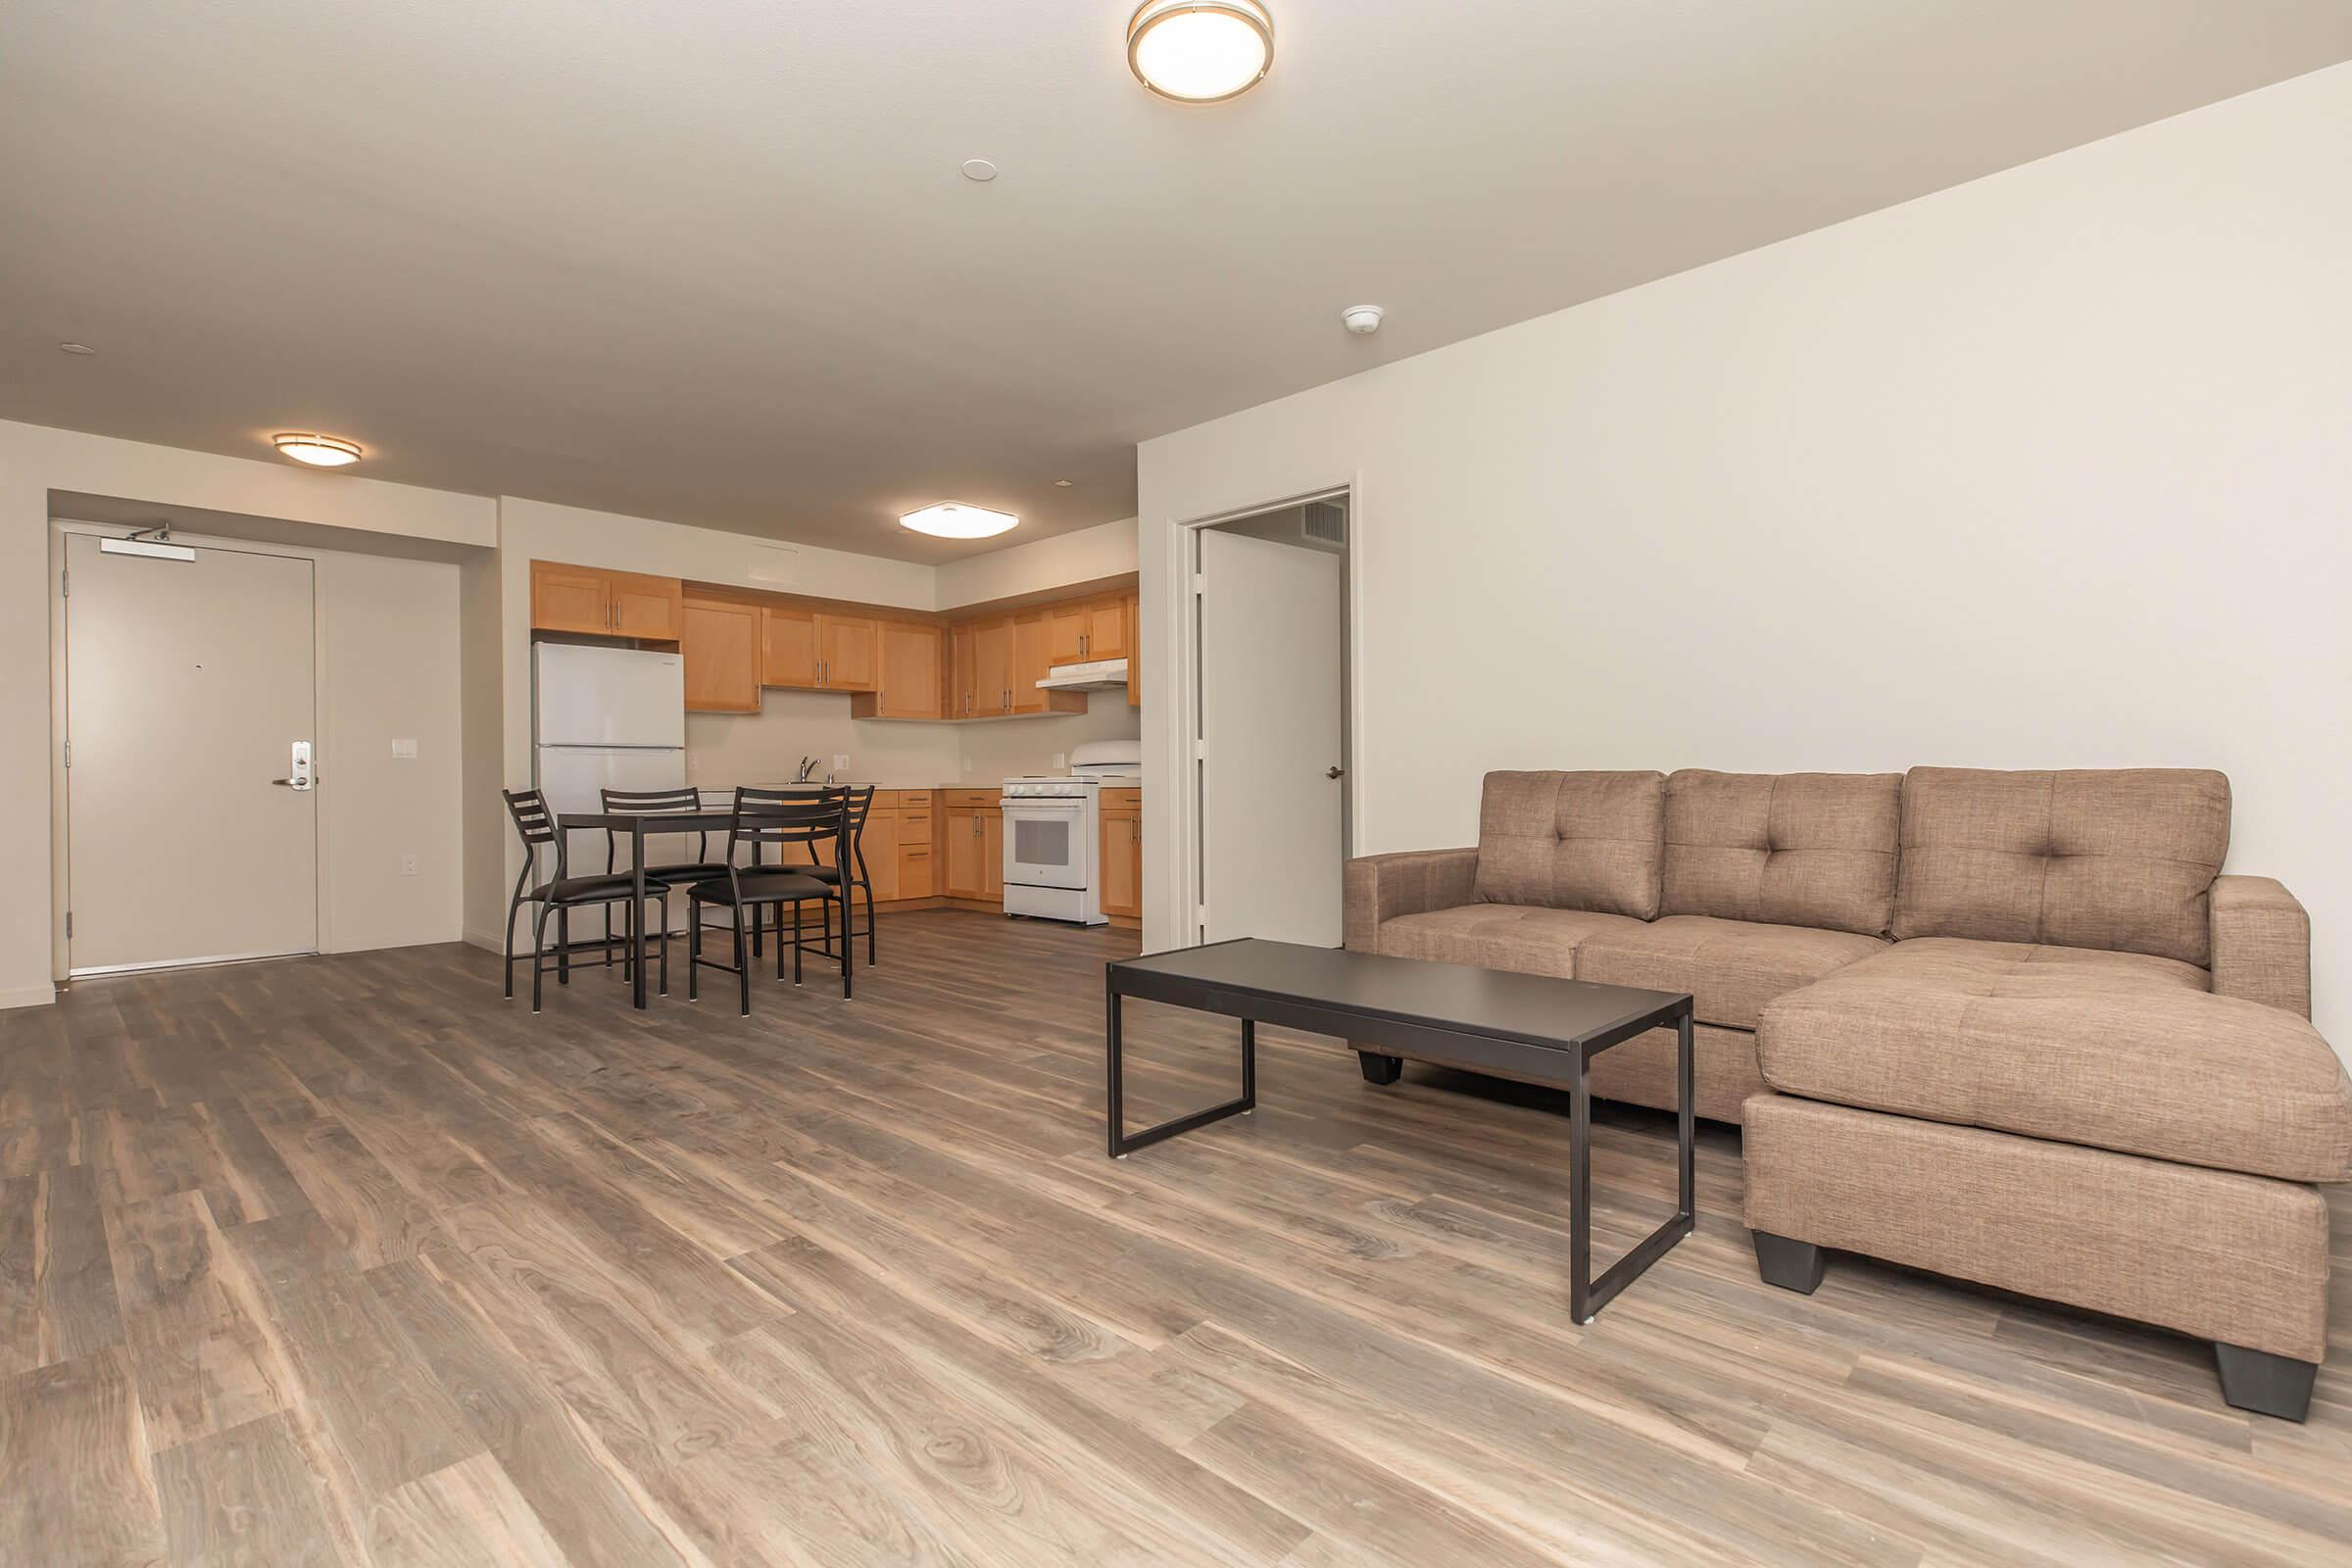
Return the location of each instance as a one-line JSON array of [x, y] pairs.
[[1333, 772]]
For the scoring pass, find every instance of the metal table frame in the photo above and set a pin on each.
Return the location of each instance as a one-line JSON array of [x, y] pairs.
[[1565, 1066], [640, 826]]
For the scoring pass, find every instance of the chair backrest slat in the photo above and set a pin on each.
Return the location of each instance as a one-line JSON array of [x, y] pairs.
[[790, 816], [685, 797]]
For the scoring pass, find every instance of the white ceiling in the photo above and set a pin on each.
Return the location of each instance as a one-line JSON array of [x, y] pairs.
[[712, 260]]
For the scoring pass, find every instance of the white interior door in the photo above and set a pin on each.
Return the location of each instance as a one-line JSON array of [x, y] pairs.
[[187, 686], [1271, 692]]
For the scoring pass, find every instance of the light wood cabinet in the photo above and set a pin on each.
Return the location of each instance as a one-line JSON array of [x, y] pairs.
[[907, 681], [719, 643], [848, 652], [603, 603], [1065, 633], [961, 854], [1107, 628], [961, 673], [788, 646], [1030, 662], [1135, 651], [1122, 852], [915, 876], [992, 857], [992, 668], [646, 608], [879, 843]]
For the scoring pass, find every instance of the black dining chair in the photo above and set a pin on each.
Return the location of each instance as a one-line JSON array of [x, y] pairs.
[[784, 818], [860, 802], [685, 799], [562, 892]]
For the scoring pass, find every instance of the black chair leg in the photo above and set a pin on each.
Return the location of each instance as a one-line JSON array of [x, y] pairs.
[[796, 935], [538, 959], [666, 942], [743, 967], [868, 883], [694, 950], [849, 946], [562, 945], [513, 909], [796, 942]]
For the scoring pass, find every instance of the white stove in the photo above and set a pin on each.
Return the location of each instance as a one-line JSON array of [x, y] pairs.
[[1054, 833]]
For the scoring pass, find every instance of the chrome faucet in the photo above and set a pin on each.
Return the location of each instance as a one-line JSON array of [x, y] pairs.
[[807, 767]]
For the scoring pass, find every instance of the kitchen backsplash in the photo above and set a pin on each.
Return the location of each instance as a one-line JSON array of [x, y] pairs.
[[723, 750]]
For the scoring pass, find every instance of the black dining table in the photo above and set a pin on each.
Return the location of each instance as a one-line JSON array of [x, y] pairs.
[[640, 826]]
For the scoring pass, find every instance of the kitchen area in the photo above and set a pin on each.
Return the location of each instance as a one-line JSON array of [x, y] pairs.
[[1002, 739]]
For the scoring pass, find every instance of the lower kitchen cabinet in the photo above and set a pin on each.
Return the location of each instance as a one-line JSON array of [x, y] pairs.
[[1122, 852], [974, 853]]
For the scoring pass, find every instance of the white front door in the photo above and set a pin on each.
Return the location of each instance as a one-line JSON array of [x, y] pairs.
[[188, 685], [1271, 689]]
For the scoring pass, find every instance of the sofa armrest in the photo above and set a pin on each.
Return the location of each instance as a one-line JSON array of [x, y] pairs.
[[2261, 943], [1381, 887]]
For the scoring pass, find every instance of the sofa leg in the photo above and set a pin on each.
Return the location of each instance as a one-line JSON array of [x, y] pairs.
[[1379, 1069], [2266, 1383], [1790, 1264]]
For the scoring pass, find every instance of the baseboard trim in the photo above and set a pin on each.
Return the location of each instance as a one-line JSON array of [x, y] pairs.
[[29, 997], [487, 941]]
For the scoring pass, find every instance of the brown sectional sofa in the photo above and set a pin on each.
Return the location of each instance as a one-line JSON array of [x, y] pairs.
[[2013, 1027]]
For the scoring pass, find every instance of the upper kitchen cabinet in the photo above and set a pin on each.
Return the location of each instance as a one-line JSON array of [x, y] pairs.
[[991, 685], [1135, 651], [719, 641], [908, 674], [1065, 633], [788, 654], [603, 603], [818, 651], [1107, 628], [646, 607], [849, 653]]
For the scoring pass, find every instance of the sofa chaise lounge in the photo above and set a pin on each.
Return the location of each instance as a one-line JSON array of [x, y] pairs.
[[2011, 1027]]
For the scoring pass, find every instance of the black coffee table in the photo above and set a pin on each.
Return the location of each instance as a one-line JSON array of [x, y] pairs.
[[1529, 1027]]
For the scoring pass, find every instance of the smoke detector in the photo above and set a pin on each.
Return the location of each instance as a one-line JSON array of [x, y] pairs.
[[1362, 319]]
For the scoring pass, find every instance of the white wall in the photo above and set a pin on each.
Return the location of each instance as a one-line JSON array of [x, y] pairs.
[[2044, 471], [390, 669], [1106, 550], [35, 461]]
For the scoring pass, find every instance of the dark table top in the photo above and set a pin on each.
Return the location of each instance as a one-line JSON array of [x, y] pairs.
[[709, 820], [1528, 1008]]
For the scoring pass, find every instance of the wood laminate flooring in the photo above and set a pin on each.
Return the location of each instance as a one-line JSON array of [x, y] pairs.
[[346, 1260]]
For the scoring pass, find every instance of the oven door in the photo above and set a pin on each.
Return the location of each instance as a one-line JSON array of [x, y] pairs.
[[1045, 842]]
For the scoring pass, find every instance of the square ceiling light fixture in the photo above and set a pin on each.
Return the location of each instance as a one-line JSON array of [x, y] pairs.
[[953, 519]]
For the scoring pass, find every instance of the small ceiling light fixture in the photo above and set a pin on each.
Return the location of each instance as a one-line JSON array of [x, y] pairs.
[[979, 169], [1362, 319], [76, 348], [319, 451], [953, 519], [1061, 485], [1200, 51]]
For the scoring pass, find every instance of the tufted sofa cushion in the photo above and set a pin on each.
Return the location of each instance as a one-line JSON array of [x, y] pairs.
[[1572, 841], [1783, 849], [2120, 859]]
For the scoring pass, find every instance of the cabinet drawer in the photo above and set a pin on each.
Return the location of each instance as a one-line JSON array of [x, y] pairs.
[[1122, 800], [901, 800], [914, 871], [915, 827], [975, 799]]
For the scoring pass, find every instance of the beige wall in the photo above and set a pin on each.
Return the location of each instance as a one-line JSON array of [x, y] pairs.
[[390, 671], [1106, 550], [2046, 469], [34, 462]]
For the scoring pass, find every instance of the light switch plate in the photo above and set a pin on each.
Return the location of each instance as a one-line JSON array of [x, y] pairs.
[[405, 751], [841, 761], [1061, 759]]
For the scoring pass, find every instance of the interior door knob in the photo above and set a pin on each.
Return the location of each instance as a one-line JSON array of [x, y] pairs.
[[1333, 772]]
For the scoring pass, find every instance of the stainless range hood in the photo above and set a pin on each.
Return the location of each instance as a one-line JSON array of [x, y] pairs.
[[1096, 675]]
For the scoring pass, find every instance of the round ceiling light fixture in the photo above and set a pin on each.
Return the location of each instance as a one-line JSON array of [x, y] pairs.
[[319, 451], [76, 348], [953, 519], [979, 170], [1200, 51]]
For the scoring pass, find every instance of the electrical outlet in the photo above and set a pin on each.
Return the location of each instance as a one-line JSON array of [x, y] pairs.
[[967, 765], [403, 751], [407, 864], [694, 764], [1060, 759], [841, 761]]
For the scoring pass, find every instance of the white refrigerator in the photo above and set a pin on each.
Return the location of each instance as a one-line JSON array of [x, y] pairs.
[[606, 718]]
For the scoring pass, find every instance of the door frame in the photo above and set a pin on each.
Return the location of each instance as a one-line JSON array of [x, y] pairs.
[[61, 882], [1183, 665]]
